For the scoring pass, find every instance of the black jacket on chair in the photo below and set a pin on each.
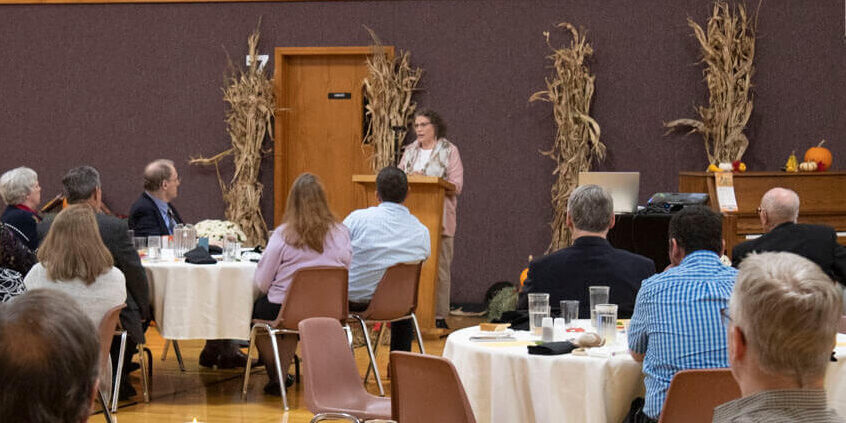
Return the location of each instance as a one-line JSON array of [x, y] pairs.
[[817, 243], [145, 218], [591, 261]]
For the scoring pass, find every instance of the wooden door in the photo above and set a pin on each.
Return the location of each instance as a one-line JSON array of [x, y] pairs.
[[319, 122]]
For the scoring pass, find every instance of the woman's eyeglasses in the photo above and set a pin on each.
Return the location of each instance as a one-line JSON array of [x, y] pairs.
[[421, 125]]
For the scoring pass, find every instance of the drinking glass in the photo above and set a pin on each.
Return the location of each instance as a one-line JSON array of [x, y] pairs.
[[140, 244], [606, 322], [569, 311], [231, 247], [598, 295], [154, 244], [538, 309]]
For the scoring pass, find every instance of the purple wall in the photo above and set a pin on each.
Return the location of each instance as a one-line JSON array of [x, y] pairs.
[[115, 86]]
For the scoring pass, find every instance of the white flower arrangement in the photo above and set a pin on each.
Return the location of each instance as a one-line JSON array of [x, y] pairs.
[[216, 230]]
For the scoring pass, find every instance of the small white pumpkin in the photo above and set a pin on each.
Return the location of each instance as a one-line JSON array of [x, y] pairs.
[[808, 166]]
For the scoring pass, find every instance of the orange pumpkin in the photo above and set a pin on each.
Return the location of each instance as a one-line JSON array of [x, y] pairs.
[[819, 154]]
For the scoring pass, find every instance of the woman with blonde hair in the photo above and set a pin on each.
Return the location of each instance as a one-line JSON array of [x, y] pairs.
[[74, 260], [309, 236]]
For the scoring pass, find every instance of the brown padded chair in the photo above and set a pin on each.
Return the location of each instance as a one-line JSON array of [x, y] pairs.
[[333, 387], [314, 292], [395, 299], [693, 394], [105, 332], [426, 388]]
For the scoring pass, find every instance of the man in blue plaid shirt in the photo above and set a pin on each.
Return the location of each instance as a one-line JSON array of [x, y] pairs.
[[676, 323]]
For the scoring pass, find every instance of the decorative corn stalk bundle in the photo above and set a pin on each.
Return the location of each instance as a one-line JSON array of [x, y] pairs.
[[249, 94], [728, 51], [576, 145], [388, 90]]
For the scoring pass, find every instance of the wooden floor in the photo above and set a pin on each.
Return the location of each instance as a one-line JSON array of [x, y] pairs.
[[214, 395]]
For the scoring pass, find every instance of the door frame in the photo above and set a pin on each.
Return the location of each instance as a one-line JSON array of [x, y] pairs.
[[280, 139]]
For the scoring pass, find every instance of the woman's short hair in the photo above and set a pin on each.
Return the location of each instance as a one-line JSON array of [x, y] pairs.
[[156, 173], [73, 247], [16, 184], [590, 208], [307, 215], [435, 120], [49, 355], [788, 310]]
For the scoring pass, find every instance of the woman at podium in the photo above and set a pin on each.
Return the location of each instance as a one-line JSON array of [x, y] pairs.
[[432, 155]]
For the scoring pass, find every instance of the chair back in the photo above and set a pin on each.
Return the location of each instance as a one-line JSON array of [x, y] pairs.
[[314, 292], [332, 382], [107, 330], [396, 294], [426, 388], [842, 327], [693, 394]]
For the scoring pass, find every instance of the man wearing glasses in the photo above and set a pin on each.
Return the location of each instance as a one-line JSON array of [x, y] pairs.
[[152, 213], [779, 212], [782, 321]]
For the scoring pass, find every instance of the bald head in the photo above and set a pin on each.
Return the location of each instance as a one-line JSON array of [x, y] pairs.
[[779, 205]]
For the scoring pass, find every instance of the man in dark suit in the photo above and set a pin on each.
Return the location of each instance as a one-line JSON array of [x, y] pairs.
[[82, 186], [152, 213], [779, 212], [591, 261]]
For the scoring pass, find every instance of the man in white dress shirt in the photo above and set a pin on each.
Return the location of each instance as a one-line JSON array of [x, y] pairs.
[[381, 237]]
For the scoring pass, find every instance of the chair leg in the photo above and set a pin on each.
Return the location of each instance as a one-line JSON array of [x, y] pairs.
[[106, 413], [178, 354], [372, 357], [375, 350], [119, 371], [419, 335], [144, 375], [279, 374], [249, 362]]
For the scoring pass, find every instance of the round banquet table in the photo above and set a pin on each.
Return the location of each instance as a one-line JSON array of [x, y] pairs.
[[202, 301], [506, 384]]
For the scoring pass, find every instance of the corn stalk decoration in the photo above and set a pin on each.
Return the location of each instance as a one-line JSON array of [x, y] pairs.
[[249, 95], [388, 90], [728, 52], [576, 145]]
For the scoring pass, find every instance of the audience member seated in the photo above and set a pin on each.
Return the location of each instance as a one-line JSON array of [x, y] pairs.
[[22, 194], [309, 236], [82, 186], [153, 215], [383, 236], [74, 260], [49, 355], [779, 212], [783, 319], [14, 254], [591, 261], [676, 323]]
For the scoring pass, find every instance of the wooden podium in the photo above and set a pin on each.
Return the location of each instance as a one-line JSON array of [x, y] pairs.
[[425, 201]]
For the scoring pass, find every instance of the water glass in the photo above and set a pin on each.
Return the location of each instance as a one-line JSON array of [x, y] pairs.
[[598, 295], [538, 309], [140, 244], [231, 248], [606, 322], [154, 245], [569, 311]]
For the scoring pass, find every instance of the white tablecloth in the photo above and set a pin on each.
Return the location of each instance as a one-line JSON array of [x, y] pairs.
[[505, 384], [202, 301]]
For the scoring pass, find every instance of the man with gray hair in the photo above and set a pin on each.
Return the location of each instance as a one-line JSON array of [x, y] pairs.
[[782, 320], [49, 356], [82, 186], [591, 261], [779, 212]]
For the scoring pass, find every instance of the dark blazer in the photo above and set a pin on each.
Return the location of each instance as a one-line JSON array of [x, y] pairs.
[[24, 225], [145, 219], [591, 261], [113, 231], [817, 243]]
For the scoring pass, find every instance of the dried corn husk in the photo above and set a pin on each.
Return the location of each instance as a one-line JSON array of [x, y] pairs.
[[728, 51], [249, 94], [388, 90], [576, 144]]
